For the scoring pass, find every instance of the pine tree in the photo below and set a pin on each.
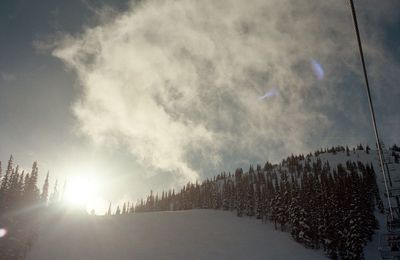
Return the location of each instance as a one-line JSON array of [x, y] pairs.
[[64, 189], [18, 193], [294, 213], [118, 211], [109, 210], [124, 208], [319, 206], [45, 190], [5, 184], [259, 201], [250, 200], [54, 197], [31, 192], [20, 189], [225, 195]]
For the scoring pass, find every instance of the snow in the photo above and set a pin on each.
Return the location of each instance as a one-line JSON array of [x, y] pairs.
[[371, 250], [193, 234]]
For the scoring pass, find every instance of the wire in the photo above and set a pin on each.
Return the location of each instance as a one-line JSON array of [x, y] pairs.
[[371, 107]]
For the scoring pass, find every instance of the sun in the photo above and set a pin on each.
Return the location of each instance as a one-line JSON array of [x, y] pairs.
[[85, 188], [79, 191], [82, 192]]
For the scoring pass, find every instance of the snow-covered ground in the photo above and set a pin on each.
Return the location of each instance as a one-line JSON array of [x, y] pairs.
[[192, 234], [371, 250]]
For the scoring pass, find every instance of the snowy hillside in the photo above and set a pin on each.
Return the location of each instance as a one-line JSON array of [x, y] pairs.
[[193, 234], [339, 215], [306, 207], [371, 250]]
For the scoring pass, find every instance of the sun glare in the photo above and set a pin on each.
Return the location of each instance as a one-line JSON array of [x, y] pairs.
[[82, 192], [79, 191]]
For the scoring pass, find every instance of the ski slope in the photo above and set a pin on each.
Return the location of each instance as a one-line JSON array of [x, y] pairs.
[[192, 234]]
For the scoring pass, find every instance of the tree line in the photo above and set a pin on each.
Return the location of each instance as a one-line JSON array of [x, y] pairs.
[[321, 206], [21, 206]]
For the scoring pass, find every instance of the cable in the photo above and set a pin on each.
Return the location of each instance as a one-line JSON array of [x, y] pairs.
[[371, 107]]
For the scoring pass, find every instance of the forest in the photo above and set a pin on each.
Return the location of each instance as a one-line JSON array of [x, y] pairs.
[[22, 205], [322, 207]]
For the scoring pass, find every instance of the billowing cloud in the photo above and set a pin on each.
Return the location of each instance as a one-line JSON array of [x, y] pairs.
[[178, 82]]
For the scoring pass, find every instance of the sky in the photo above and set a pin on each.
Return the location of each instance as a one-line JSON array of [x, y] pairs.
[[148, 95]]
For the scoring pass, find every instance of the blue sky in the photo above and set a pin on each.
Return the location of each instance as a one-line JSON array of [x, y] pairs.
[[165, 92]]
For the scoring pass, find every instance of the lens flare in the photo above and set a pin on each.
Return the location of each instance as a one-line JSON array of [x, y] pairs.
[[270, 93], [317, 69], [3, 232]]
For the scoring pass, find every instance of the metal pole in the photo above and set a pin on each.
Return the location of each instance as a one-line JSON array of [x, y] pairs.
[[371, 107]]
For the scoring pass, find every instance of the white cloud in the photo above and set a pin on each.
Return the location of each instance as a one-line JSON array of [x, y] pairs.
[[178, 82]]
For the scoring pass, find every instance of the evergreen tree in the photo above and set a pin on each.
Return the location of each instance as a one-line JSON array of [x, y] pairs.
[[31, 192], [294, 213], [54, 197], [5, 184], [250, 200], [15, 191], [45, 190], [319, 206], [124, 208], [109, 210]]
